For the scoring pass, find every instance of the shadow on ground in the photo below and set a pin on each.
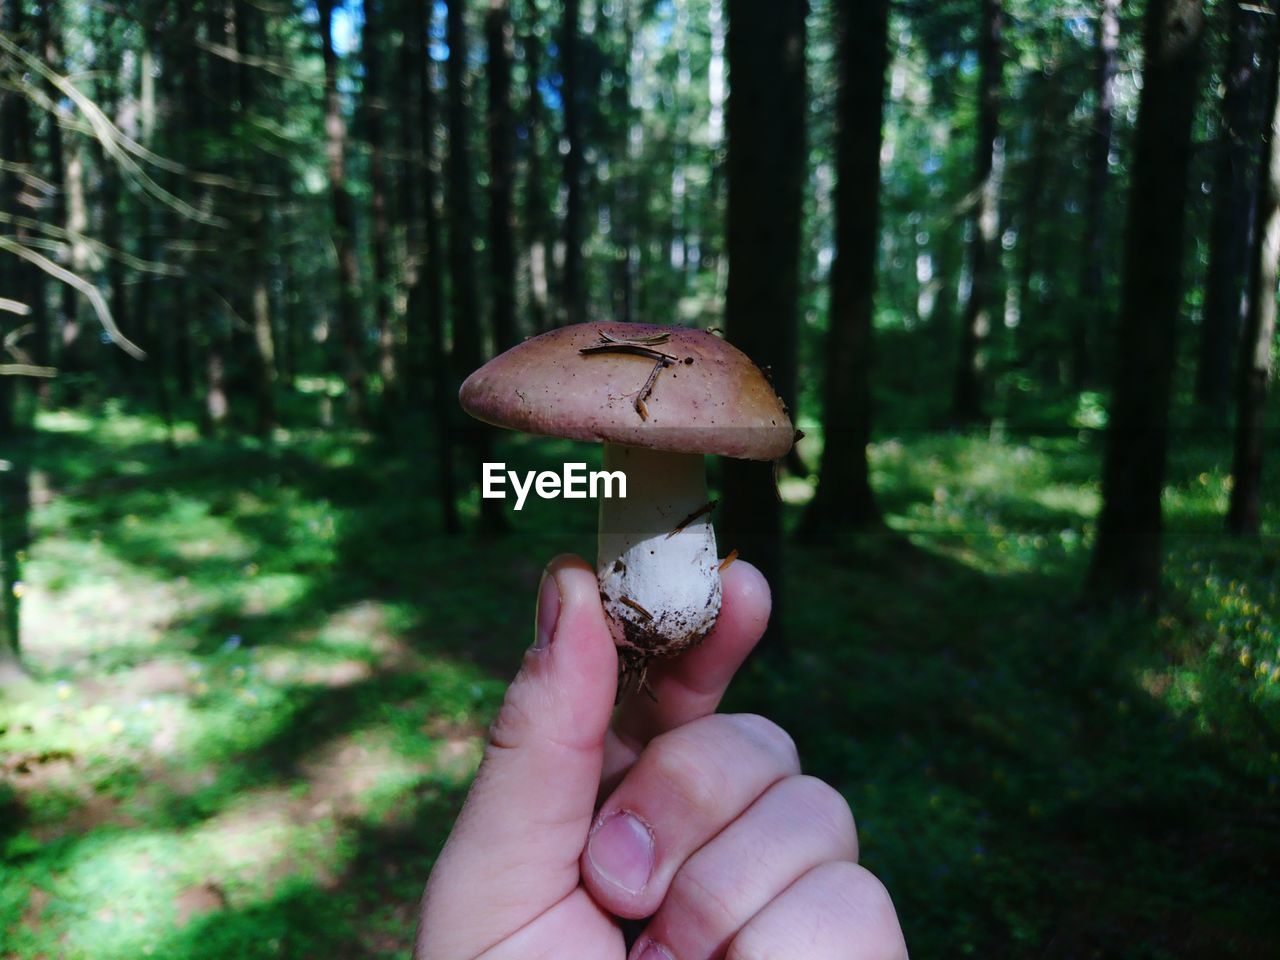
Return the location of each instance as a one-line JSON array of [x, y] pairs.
[[269, 674]]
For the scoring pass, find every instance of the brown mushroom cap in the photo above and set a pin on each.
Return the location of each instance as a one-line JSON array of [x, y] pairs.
[[710, 399]]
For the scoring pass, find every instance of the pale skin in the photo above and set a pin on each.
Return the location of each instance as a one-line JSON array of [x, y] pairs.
[[699, 825]]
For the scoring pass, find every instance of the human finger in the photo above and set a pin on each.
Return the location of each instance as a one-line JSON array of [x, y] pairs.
[[836, 911], [691, 685], [522, 829], [797, 824], [686, 787]]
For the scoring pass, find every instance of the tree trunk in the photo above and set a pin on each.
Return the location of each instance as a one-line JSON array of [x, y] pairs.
[[572, 285], [538, 223], [426, 299], [1127, 555], [984, 259], [766, 168], [502, 267], [844, 500], [344, 239], [24, 281], [15, 507], [54, 207], [412, 74], [537, 213], [1242, 126], [261, 345], [222, 337], [1256, 361], [1088, 315], [375, 108], [468, 338], [1042, 96], [20, 281], [405, 174]]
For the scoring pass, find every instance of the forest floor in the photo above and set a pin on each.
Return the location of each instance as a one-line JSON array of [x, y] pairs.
[[260, 681]]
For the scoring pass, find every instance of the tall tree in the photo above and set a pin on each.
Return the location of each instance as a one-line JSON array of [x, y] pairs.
[[109, 217], [427, 355], [50, 32], [344, 221], [1126, 556], [502, 225], [538, 221], [220, 334], [468, 336], [844, 499], [573, 96], [1092, 304], [22, 317], [1244, 515], [468, 329], [1048, 104], [375, 108], [983, 256], [260, 348], [766, 169], [1241, 127], [21, 285], [15, 505]]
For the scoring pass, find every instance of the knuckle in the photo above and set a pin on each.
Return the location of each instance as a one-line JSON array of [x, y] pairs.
[[689, 773], [751, 945], [508, 730], [868, 900], [836, 902], [826, 808], [769, 736], [875, 898], [704, 901]]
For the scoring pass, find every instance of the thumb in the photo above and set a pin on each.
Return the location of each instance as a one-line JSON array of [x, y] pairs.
[[514, 850]]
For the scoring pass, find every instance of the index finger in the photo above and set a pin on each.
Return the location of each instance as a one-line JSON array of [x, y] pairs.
[[691, 685]]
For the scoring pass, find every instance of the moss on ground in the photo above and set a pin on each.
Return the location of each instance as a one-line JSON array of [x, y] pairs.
[[260, 677]]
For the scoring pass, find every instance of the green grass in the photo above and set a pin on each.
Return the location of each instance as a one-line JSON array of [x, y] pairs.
[[260, 678]]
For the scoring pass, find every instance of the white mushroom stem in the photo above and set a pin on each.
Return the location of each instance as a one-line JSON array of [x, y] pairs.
[[659, 580]]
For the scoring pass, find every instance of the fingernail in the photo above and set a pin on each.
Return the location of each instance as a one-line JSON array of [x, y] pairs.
[[621, 850], [548, 611], [654, 951]]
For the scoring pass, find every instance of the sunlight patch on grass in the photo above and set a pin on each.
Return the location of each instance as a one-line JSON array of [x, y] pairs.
[[1084, 501]]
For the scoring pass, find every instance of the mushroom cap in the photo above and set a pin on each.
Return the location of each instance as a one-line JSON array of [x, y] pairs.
[[710, 399]]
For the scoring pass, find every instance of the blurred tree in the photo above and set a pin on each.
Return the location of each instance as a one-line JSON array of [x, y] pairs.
[[980, 306], [843, 499], [428, 352], [259, 346], [1127, 555], [1257, 346], [21, 306], [538, 221], [344, 226], [1088, 315], [572, 98], [375, 110], [502, 226], [468, 323], [766, 170], [1241, 127]]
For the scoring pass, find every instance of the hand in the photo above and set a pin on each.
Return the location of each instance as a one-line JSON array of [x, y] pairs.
[[701, 822]]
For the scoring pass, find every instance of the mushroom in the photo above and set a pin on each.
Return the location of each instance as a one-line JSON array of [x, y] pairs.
[[659, 399]]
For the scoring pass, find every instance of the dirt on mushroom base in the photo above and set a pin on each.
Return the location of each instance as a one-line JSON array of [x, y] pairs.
[[665, 637]]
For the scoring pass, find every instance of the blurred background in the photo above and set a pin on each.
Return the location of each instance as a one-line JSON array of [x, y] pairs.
[[1011, 263]]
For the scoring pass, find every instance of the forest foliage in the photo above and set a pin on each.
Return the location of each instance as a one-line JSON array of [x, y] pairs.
[[1011, 264]]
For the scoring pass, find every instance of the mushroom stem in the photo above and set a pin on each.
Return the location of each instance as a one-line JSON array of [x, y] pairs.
[[659, 580]]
